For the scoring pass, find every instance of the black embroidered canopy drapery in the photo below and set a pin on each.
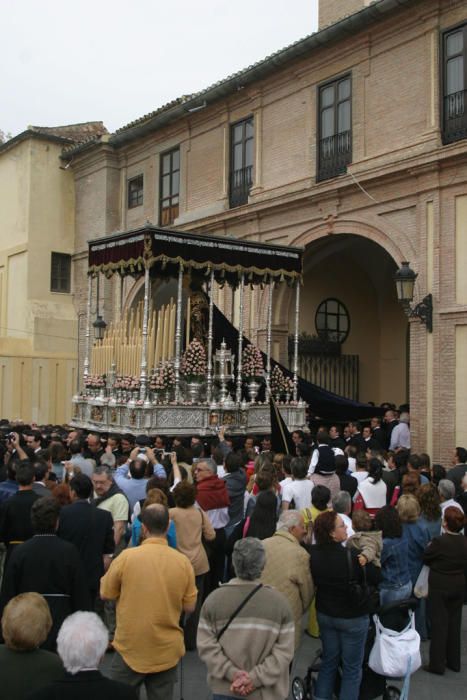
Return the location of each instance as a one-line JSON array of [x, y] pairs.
[[163, 250]]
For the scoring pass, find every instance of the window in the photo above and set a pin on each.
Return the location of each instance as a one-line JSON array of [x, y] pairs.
[[170, 187], [455, 84], [332, 321], [334, 128], [241, 161], [135, 191], [60, 273]]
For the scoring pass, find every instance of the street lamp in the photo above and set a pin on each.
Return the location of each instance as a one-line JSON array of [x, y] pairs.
[[99, 326], [405, 282]]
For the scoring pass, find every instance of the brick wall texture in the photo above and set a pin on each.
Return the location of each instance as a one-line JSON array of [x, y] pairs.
[[399, 165]]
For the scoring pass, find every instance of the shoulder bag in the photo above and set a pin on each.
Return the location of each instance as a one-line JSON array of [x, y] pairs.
[[237, 610]]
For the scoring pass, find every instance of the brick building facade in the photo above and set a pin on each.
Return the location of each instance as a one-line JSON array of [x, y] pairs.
[[352, 143]]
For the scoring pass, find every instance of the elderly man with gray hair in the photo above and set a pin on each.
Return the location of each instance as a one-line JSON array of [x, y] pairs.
[[288, 566], [81, 644], [447, 491], [342, 504], [246, 632]]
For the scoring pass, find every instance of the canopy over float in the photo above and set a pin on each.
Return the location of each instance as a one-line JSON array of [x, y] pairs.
[[151, 372]]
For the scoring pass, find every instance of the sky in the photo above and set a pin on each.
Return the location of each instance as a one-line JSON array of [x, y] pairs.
[[64, 62]]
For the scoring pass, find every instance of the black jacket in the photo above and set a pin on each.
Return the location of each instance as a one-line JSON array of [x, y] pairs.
[[90, 529], [331, 576], [91, 685], [46, 564]]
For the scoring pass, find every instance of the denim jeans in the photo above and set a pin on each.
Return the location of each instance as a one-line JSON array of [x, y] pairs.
[[224, 697], [343, 643], [392, 595]]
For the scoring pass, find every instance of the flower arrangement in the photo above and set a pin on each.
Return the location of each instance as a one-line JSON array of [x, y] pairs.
[[163, 378], [95, 381], [280, 384], [128, 382], [252, 363], [194, 366]]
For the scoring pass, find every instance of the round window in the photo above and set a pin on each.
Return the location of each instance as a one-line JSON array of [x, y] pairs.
[[332, 321]]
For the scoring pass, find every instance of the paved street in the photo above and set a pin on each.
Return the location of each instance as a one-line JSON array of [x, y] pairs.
[[424, 686]]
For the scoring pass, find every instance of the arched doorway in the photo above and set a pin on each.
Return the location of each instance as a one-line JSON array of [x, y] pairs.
[[349, 298]]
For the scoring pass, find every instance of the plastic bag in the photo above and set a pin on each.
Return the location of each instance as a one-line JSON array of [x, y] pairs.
[[421, 585], [394, 654]]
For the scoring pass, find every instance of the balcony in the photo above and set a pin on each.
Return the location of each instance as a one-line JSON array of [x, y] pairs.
[[455, 117], [335, 153], [240, 185]]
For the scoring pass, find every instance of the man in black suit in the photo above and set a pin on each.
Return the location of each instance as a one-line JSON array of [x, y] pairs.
[[390, 422], [356, 437], [370, 442], [41, 470], [90, 529], [81, 644], [459, 468], [335, 439], [47, 565], [378, 433]]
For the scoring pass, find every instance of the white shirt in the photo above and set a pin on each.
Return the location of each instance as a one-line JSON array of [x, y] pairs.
[[360, 476], [348, 525], [300, 492], [450, 503], [352, 464], [284, 482]]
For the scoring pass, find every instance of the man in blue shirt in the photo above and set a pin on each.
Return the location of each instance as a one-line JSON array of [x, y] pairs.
[[133, 476]]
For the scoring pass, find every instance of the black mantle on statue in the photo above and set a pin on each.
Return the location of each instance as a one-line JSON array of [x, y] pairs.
[[323, 404]]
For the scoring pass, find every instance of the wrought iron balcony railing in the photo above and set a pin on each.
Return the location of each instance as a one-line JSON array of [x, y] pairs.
[[240, 185], [335, 153], [455, 117]]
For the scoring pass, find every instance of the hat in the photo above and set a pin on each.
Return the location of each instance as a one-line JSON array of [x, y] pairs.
[[326, 461]]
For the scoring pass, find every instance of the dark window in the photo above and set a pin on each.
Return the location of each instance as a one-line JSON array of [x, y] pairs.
[[455, 84], [60, 273], [241, 161], [170, 187], [334, 128], [332, 321], [135, 191]]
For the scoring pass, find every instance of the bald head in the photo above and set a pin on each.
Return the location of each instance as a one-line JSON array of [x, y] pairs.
[[155, 519]]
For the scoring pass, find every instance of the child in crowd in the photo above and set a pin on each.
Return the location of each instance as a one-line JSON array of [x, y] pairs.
[[367, 540]]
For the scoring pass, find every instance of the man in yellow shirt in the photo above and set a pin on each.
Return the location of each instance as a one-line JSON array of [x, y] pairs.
[[153, 585]]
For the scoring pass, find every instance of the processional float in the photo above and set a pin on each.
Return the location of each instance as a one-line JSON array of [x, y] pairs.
[[169, 370]]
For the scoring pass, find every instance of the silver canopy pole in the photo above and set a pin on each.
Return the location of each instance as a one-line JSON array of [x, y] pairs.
[[210, 338], [144, 347], [269, 340], [87, 334], [178, 333], [297, 330], [238, 396]]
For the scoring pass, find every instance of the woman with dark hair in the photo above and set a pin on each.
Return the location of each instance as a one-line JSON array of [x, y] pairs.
[[446, 556], [343, 619], [192, 525], [372, 491], [262, 522], [395, 576], [430, 508], [438, 472]]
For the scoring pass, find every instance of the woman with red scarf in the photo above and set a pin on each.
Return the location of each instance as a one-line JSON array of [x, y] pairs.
[[213, 498]]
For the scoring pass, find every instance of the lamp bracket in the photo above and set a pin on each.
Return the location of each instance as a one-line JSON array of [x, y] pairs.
[[423, 311]]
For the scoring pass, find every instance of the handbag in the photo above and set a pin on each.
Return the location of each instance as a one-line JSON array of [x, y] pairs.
[[361, 594], [395, 654], [420, 589]]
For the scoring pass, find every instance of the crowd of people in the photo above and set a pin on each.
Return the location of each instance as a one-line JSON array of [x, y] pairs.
[[146, 547]]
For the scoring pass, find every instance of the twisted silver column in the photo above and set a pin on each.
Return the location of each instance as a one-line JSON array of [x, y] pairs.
[[238, 396], [87, 334], [143, 377], [210, 338], [178, 333], [295, 342], [269, 339]]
